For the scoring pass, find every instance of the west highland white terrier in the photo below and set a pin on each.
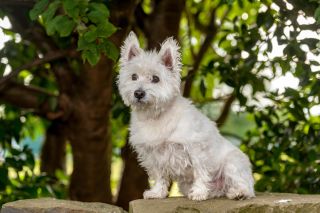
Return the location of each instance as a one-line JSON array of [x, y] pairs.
[[174, 140]]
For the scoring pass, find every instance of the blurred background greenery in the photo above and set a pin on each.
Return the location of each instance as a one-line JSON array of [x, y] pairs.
[[252, 66]]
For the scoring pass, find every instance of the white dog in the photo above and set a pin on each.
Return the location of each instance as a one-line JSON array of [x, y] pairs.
[[174, 141]]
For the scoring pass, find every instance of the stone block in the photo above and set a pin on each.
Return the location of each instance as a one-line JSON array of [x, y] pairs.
[[262, 203], [51, 205]]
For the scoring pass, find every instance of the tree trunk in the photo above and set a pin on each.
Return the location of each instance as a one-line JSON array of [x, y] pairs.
[[89, 131], [53, 151], [164, 22], [134, 179]]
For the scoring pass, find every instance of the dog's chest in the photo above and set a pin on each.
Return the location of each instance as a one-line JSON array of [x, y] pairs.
[[171, 158], [153, 132]]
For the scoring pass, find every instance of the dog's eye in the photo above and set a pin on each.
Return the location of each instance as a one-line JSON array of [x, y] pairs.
[[134, 77], [155, 79]]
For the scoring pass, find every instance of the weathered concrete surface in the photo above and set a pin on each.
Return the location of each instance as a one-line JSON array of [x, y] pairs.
[[263, 203], [51, 205]]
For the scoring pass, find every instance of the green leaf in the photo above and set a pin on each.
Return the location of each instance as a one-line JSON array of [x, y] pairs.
[[82, 43], [228, 2], [203, 87], [4, 179], [81, 29], [316, 63], [49, 13], [61, 24], [50, 27], [2, 67], [240, 3], [2, 14], [101, 8], [289, 92], [71, 8], [38, 9], [260, 19], [91, 35], [265, 19], [317, 15], [110, 50], [91, 55], [105, 30], [99, 13], [64, 26], [290, 49], [96, 17], [242, 99]]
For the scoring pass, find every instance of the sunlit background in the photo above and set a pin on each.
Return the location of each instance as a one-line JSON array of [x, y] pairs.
[[277, 84]]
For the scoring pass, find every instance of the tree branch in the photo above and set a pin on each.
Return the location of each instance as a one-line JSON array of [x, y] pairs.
[[35, 99], [51, 56], [298, 5], [26, 97], [229, 134], [225, 111], [163, 22], [141, 18], [31, 31], [198, 25], [309, 8], [189, 33], [212, 31]]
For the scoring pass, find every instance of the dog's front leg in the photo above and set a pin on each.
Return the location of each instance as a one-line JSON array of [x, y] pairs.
[[199, 189], [159, 190]]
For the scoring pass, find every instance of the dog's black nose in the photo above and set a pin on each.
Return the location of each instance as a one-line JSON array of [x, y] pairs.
[[139, 93]]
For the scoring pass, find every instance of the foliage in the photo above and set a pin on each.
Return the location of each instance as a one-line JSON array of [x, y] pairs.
[[82, 25], [18, 176], [88, 19], [283, 146]]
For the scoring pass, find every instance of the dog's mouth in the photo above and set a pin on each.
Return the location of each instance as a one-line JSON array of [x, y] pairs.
[[140, 102]]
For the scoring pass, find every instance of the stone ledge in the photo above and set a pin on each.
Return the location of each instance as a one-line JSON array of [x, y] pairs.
[[51, 205], [262, 203]]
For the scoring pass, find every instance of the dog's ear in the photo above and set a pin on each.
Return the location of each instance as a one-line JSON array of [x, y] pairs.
[[130, 48], [170, 55]]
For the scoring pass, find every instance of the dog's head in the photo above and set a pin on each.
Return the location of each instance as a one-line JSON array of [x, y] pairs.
[[149, 78]]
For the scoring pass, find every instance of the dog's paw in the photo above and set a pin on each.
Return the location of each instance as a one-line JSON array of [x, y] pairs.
[[150, 194], [216, 194], [237, 194], [198, 194]]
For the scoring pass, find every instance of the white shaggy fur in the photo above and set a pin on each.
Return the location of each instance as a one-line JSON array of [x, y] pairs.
[[174, 141]]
